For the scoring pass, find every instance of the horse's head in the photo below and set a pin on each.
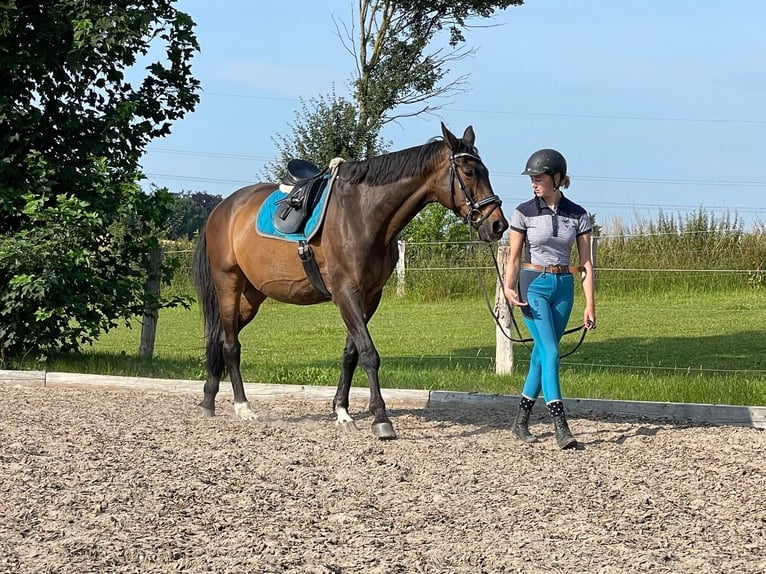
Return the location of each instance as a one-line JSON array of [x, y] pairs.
[[468, 192]]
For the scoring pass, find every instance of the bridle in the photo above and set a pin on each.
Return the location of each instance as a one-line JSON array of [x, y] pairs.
[[474, 217]]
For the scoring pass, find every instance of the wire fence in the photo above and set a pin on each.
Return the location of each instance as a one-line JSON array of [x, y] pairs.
[[451, 269]]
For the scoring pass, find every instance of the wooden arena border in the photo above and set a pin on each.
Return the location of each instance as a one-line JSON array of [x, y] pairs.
[[728, 415]]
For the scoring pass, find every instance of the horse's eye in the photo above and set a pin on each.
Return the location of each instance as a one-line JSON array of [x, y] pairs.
[[469, 172]]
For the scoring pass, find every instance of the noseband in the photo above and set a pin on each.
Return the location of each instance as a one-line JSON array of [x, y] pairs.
[[474, 216]]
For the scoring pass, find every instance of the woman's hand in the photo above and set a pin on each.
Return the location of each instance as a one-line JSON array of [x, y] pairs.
[[513, 297], [589, 319]]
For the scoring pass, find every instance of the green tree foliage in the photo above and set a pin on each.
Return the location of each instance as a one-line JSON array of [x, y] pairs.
[[399, 63], [435, 223], [189, 212], [205, 201], [75, 228], [325, 127], [401, 56]]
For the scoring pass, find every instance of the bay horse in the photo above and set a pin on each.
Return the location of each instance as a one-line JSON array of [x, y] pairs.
[[236, 269]]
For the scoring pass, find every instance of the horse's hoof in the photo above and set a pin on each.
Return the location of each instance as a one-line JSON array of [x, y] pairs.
[[347, 426], [245, 412], [205, 412], [383, 431]]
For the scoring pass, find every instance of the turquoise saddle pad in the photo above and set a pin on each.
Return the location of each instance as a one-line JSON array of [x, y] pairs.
[[264, 222]]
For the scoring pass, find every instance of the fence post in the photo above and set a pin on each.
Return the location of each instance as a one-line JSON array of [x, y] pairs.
[[503, 346], [151, 299], [593, 256], [400, 267]]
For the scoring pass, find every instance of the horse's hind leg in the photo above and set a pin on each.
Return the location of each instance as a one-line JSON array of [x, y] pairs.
[[237, 307], [244, 312]]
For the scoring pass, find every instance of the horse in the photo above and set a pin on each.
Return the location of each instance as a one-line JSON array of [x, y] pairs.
[[236, 269]]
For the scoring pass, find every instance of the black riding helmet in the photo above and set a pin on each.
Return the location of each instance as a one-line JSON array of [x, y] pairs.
[[546, 161]]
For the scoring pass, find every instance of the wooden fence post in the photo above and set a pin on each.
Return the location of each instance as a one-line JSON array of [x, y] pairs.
[[400, 267], [503, 346], [594, 256], [151, 298]]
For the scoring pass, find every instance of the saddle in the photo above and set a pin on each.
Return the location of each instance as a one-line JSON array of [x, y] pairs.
[[303, 184]]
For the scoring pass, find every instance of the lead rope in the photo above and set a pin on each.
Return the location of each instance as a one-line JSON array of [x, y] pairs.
[[514, 324]]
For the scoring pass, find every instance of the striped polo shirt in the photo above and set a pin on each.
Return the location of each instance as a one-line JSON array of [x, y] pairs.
[[549, 235]]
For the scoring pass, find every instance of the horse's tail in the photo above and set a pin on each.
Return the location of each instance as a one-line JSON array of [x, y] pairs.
[[203, 281]]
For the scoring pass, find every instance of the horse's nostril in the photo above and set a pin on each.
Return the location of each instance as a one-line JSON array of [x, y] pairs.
[[499, 226]]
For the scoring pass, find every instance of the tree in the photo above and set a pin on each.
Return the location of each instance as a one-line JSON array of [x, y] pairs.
[[434, 223], [324, 128], [394, 68], [189, 212], [76, 230], [394, 65], [205, 201]]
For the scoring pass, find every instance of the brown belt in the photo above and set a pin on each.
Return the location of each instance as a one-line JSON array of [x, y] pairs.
[[555, 269]]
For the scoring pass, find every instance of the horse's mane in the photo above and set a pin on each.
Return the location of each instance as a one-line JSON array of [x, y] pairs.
[[396, 165]]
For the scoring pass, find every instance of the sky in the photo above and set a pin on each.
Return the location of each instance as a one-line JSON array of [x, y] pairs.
[[656, 105]]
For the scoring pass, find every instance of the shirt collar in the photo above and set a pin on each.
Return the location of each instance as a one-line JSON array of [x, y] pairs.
[[542, 206]]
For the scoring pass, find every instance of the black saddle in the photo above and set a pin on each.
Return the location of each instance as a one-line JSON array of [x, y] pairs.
[[307, 182], [299, 170]]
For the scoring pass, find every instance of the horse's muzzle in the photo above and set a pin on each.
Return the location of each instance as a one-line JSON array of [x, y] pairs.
[[493, 227]]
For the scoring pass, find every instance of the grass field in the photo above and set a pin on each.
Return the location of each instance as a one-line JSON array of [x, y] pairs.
[[702, 348]]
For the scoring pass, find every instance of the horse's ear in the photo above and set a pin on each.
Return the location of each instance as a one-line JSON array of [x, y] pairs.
[[449, 138], [469, 136]]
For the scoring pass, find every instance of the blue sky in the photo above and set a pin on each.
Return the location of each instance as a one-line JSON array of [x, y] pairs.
[[656, 104]]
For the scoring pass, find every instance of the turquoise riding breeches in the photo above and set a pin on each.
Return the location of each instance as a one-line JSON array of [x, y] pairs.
[[550, 298]]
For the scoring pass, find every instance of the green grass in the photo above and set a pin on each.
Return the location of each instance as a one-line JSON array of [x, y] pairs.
[[674, 347], [684, 333]]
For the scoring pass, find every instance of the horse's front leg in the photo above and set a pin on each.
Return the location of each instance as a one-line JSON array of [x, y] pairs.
[[356, 321], [370, 359], [340, 403]]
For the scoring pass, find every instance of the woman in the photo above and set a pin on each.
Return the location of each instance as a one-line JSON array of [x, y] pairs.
[[542, 233]]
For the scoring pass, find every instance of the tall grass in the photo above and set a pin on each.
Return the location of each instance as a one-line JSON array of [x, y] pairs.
[[693, 252], [696, 252]]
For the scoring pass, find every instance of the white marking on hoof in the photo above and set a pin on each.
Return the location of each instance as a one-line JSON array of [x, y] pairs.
[[348, 427], [343, 416], [245, 412]]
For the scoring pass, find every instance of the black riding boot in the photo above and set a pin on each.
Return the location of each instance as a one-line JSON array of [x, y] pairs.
[[520, 426], [564, 436]]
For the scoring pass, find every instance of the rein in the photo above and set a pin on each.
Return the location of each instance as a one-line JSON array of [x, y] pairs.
[[474, 216], [506, 334]]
